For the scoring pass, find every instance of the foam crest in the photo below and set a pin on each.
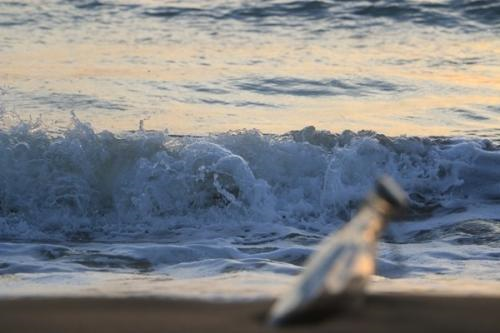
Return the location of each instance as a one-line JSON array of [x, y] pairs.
[[82, 185]]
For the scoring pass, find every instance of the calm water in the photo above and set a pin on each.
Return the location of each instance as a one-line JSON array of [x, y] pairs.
[[107, 171]]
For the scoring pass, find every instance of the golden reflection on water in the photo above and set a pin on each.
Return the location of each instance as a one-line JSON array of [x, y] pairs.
[[432, 76]]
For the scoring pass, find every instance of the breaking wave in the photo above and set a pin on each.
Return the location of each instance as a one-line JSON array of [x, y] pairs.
[[82, 186]]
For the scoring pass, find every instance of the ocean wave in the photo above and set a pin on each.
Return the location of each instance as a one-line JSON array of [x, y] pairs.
[[82, 185], [295, 86], [461, 14], [446, 14]]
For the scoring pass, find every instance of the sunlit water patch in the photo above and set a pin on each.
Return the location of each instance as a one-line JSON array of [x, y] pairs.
[[197, 67]]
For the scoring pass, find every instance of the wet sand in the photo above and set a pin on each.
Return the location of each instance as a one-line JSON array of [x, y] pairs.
[[381, 313]]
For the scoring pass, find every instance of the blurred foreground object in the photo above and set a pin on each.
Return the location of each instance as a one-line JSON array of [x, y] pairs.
[[335, 276]]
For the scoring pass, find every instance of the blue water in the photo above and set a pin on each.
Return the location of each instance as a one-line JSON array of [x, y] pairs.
[[174, 139]]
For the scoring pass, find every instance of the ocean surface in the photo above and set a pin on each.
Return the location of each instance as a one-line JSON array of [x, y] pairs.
[[204, 148]]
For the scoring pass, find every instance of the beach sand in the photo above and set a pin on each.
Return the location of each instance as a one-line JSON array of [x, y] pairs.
[[380, 313]]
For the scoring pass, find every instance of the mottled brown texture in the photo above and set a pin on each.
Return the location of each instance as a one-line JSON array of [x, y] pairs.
[[381, 313]]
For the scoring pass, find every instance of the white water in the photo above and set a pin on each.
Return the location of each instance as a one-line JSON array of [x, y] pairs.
[[181, 208]]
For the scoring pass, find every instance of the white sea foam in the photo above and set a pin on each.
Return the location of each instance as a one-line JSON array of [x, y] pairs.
[[101, 185], [237, 201]]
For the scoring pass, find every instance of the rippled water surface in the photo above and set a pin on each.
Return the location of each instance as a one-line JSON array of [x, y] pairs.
[[405, 67], [107, 164]]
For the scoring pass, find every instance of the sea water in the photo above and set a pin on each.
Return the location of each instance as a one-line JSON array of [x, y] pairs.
[[204, 148]]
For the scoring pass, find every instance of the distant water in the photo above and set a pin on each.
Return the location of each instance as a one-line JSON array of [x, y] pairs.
[[395, 67], [107, 164]]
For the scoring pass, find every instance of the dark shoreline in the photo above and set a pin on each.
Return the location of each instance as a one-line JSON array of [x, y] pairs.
[[381, 313]]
